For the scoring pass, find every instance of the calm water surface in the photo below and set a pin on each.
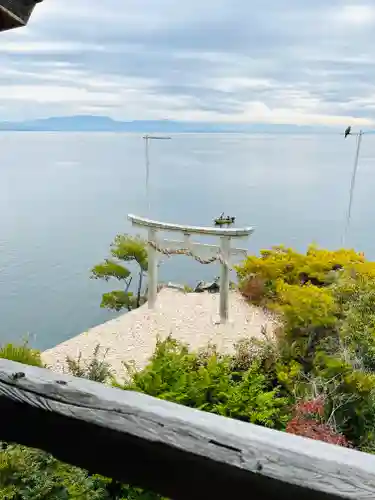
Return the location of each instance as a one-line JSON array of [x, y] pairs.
[[63, 197]]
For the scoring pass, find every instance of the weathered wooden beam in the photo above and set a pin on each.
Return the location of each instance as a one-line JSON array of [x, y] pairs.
[[177, 451], [167, 226]]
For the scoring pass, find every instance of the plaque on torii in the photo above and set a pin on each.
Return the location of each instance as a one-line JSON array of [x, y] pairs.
[[222, 253]]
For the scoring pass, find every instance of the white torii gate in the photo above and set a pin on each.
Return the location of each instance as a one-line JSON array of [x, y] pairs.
[[222, 253]]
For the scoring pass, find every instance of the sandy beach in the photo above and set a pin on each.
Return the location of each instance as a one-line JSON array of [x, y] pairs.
[[191, 318]]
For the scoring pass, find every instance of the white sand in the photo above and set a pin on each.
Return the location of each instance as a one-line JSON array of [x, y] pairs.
[[191, 318]]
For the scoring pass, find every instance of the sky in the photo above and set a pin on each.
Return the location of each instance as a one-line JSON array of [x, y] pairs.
[[239, 61]]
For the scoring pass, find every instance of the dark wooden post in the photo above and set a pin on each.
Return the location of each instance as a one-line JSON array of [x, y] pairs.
[[15, 13]]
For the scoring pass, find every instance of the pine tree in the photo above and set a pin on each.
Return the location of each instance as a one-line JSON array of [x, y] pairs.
[[124, 248]]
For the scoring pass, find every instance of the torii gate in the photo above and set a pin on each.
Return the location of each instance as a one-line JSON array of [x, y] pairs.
[[222, 252]]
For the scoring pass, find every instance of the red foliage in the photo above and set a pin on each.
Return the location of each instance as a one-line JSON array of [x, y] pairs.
[[309, 408], [253, 289], [307, 422]]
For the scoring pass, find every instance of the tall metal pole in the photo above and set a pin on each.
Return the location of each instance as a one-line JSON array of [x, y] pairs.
[[147, 139], [147, 159], [352, 186]]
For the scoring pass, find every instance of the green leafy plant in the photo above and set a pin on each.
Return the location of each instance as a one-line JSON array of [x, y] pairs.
[[125, 248], [28, 474], [206, 380], [355, 295], [93, 369], [21, 354], [349, 395]]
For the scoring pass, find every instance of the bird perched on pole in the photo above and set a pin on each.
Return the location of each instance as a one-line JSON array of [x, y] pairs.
[[348, 131]]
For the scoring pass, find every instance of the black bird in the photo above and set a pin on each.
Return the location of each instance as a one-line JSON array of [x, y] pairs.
[[348, 131]]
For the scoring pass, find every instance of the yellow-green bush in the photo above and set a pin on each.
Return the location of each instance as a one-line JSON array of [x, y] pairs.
[[300, 287], [288, 374], [320, 262], [281, 263], [22, 354], [304, 308], [308, 315], [365, 268]]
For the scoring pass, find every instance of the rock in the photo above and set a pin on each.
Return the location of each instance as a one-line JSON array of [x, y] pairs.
[[212, 287], [176, 286]]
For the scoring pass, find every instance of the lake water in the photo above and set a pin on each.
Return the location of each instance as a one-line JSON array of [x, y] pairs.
[[63, 197]]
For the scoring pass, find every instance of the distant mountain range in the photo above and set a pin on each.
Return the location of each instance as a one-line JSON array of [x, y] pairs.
[[90, 123]]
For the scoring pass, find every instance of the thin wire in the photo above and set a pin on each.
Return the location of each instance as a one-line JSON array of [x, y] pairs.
[[352, 187]]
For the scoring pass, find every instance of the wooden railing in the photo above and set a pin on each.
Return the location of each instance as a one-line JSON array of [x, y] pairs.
[[222, 252], [180, 452]]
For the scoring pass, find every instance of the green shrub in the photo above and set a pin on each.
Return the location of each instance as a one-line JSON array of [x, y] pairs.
[[93, 369], [289, 374], [21, 354], [28, 474], [206, 381], [350, 396], [356, 298]]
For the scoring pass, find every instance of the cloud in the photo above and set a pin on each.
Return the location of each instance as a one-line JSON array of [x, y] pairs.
[[360, 15], [218, 60]]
